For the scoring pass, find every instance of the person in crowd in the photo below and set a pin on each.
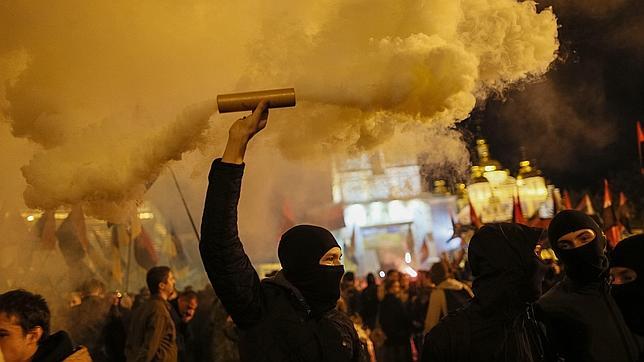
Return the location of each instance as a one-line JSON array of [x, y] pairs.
[[448, 295], [405, 288], [24, 331], [582, 319], [87, 320], [396, 324], [392, 274], [498, 324], [369, 302], [419, 304], [349, 294], [292, 315], [627, 271], [151, 335], [141, 298], [184, 308], [115, 330]]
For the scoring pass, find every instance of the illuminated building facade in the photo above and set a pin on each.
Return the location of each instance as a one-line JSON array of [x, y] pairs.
[[388, 213]]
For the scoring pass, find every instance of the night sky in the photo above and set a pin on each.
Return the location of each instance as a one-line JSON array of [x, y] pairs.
[[578, 124]]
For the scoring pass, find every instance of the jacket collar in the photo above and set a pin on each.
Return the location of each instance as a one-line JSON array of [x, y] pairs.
[[280, 280]]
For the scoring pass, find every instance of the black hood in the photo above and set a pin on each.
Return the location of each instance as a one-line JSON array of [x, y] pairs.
[[507, 273]]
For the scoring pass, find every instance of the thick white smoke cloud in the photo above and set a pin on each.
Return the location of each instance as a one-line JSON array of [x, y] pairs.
[[99, 83]]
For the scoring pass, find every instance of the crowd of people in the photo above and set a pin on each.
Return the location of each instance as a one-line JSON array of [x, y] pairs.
[[507, 299], [505, 302]]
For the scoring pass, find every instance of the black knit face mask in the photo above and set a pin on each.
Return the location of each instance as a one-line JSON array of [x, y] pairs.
[[320, 287], [300, 251], [587, 262]]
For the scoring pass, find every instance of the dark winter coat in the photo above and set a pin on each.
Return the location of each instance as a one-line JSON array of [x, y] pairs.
[[87, 323], [151, 336], [584, 323], [369, 305], [275, 321], [498, 324]]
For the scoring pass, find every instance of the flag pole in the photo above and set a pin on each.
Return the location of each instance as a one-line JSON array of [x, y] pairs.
[[185, 205], [129, 261]]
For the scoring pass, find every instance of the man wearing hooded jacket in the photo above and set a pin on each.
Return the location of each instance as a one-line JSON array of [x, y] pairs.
[[498, 324], [582, 320], [288, 317]]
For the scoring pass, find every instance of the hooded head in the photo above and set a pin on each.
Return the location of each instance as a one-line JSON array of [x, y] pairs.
[[300, 251], [505, 267], [585, 261], [627, 265]]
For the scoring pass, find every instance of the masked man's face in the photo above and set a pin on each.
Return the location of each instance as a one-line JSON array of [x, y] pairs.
[[621, 275], [576, 239]]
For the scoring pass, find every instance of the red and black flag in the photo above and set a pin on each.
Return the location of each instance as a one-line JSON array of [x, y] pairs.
[[474, 218], [586, 205], [179, 258], [46, 230], [624, 213], [566, 202], [72, 239], [640, 145], [517, 214], [612, 227], [144, 251]]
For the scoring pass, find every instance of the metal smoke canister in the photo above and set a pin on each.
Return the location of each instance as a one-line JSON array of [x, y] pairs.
[[247, 101]]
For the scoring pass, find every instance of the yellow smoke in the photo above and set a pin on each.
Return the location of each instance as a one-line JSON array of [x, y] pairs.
[[97, 84]]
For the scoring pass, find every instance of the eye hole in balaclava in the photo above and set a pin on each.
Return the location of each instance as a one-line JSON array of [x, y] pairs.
[[587, 262], [299, 251]]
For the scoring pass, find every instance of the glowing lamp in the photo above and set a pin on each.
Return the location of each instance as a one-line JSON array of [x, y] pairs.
[[531, 187]]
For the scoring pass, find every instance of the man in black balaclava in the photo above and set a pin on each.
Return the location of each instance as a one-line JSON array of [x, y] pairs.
[[497, 325], [583, 322], [290, 316], [627, 270], [300, 251]]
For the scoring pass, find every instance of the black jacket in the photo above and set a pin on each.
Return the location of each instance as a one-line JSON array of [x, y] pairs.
[[274, 320], [395, 321], [498, 324], [584, 324]]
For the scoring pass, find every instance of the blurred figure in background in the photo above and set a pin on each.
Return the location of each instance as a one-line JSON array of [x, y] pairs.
[[115, 331], [396, 324], [87, 320], [369, 302], [349, 294], [151, 335], [448, 295], [184, 308]]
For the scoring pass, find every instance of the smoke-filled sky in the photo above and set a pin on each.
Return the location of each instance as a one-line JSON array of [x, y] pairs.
[[101, 96], [578, 123]]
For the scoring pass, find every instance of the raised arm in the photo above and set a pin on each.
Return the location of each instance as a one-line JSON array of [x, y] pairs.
[[230, 271]]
